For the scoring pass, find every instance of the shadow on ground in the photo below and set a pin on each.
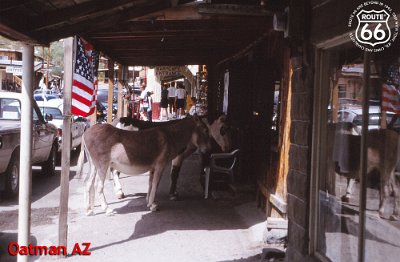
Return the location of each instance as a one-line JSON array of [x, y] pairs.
[[192, 213], [42, 185], [5, 240]]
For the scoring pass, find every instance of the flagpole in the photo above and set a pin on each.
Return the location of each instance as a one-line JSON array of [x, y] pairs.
[[69, 54]]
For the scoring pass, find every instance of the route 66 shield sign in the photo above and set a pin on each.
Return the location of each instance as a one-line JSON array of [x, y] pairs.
[[373, 28]]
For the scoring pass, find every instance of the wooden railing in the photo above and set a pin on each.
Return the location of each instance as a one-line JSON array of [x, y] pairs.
[[17, 80]]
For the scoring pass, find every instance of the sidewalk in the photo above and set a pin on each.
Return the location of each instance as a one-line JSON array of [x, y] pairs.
[[193, 229]]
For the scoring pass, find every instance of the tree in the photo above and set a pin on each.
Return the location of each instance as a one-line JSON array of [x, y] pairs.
[[56, 52], [57, 57]]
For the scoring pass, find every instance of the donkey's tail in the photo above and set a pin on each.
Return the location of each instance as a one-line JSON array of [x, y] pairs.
[[81, 159]]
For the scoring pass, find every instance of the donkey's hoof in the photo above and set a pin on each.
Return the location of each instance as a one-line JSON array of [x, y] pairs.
[[394, 217], [110, 212], [153, 208], [345, 198], [90, 213], [174, 197], [120, 195]]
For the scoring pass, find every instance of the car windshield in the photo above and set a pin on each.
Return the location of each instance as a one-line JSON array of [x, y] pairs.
[[54, 112], [10, 109], [41, 97]]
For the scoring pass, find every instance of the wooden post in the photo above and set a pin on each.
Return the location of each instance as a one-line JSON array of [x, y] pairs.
[[42, 57], [364, 156], [383, 123], [110, 89], [126, 99], [25, 165], [66, 142], [283, 168], [47, 67], [335, 103], [120, 98], [93, 117]]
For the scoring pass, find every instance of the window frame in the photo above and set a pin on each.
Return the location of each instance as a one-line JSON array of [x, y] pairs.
[[318, 148], [323, 58]]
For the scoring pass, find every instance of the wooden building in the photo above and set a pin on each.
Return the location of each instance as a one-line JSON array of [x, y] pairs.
[[11, 69], [321, 225]]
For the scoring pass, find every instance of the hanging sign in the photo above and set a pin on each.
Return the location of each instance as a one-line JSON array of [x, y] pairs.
[[17, 71], [168, 71]]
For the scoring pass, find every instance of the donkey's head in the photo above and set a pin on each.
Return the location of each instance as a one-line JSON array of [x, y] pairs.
[[201, 136], [220, 131]]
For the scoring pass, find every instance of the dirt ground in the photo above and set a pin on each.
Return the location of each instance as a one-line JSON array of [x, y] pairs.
[[229, 228]]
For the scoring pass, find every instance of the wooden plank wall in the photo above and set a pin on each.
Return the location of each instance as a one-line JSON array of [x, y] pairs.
[[263, 163]]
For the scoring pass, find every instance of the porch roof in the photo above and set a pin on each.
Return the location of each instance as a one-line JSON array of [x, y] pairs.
[[143, 32]]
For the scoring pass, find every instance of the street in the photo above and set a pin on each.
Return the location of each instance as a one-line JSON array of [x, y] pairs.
[[193, 229]]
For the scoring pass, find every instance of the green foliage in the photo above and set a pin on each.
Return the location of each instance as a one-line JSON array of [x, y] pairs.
[[56, 52], [8, 44], [57, 57]]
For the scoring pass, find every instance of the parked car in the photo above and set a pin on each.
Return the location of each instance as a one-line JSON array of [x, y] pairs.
[[54, 110], [44, 142], [102, 104], [44, 97], [355, 116], [47, 92], [102, 95]]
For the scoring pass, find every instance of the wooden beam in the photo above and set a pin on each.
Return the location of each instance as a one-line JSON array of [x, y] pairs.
[[178, 52], [175, 13], [145, 61], [278, 223], [182, 34], [88, 24], [6, 5], [227, 22], [167, 45], [13, 34], [240, 53], [278, 203], [177, 39], [232, 9], [79, 12], [99, 24]]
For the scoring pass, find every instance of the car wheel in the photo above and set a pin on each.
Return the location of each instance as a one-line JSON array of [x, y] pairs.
[[12, 176], [49, 167]]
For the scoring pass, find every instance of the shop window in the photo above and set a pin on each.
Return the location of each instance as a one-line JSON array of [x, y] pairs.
[[342, 91], [351, 220]]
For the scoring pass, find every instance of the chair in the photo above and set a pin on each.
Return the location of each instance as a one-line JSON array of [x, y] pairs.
[[216, 168]]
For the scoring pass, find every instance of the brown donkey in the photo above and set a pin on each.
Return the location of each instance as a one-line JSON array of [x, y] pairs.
[[135, 153]]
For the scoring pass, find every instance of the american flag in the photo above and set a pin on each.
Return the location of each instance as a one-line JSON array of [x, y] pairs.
[[84, 79], [390, 99]]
